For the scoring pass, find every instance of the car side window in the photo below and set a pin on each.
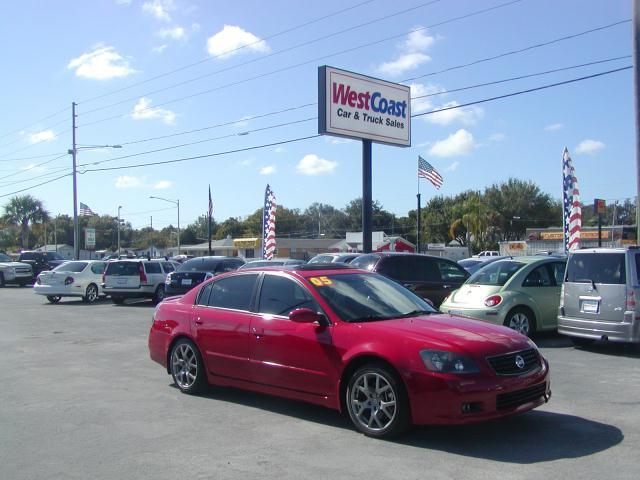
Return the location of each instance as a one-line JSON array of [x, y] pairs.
[[233, 292], [203, 296], [637, 268], [152, 267], [451, 272], [538, 277], [391, 267], [167, 267], [557, 269], [280, 296], [98, 268], [427, 269]]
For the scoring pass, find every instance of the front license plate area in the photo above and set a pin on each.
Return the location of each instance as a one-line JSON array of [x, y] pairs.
[[186, 281]]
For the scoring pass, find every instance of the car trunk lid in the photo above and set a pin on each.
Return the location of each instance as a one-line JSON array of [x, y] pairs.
[[473, 295]]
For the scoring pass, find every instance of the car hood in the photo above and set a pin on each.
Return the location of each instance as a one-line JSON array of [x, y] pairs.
[[450, 332]]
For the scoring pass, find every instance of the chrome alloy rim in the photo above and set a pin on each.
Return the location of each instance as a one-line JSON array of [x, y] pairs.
[[372, 401], [92, 293], [184, 366], [520, 323]]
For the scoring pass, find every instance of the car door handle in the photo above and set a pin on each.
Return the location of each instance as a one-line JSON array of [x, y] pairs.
[[198, 321], [257, 331], [446, 286]]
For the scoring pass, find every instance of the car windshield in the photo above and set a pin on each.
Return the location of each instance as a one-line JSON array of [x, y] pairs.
[[361, 297], [496, 273], [74, 267], [53, 256], [365, 262], [199, 265], [5, 258], [469, 262], [263, 263], [322, 259]]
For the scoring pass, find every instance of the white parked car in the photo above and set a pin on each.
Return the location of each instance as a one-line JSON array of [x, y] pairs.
[[72, 279], [136, 279], [488, 253], [14, 272]]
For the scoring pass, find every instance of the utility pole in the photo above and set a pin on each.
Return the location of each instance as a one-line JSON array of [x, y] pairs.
[[636, 103], [55, 232], [151, 239], [76, 240], [119, 208]]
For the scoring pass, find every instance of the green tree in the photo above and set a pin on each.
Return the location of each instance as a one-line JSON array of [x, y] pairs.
[[24, 211]]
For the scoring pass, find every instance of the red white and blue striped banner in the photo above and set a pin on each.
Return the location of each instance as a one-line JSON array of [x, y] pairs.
[[269, 224], [572, 209]]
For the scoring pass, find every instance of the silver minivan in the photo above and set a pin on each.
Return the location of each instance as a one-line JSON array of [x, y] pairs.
[[598, 297]]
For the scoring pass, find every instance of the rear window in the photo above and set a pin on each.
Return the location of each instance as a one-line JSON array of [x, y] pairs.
[[30, 256], [496, 273], [152, 267], [365, 262], [604, 268], [54, 256], [75, 267], [469, 262], [122, 268], [199, 265]]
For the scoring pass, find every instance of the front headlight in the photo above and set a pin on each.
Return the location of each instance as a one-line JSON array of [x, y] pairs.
[[447, 362], [167, 280]]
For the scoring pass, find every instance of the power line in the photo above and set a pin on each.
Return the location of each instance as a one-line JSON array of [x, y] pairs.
[[314, 60], [35, 123], [34, 186], [31, 167], [32, 157], [48, 174], [55, 135], [204, 60]]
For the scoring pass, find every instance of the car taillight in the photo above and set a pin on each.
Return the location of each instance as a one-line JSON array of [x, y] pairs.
[[492, 301], [68, 280], [143, 276], [630, 300]]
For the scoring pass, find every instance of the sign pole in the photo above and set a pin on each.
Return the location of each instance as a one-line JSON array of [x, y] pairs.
[[418, 226], [366, 196]]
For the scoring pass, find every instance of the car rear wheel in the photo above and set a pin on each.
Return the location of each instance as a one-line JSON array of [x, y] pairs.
[[54, 298], [187, 368], [158, 296], [522, 321], [91, 294], [377, 402], [117, 300]]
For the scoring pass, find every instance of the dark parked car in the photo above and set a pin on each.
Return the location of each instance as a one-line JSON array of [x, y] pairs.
[[433, 278], [334, 257], [197, 270], [42, 261], [473, 264]]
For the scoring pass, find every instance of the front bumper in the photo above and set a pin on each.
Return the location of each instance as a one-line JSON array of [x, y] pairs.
[[17, 277], [450, 399], [626, 331]]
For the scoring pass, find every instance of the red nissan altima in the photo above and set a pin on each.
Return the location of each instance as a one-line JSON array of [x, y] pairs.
[[350, 340]]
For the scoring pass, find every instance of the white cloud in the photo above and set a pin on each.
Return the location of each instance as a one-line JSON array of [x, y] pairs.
[[174, 33], [159, 9], [159, 48], [162, 184], [313, 165], [418, 41], [43, 136], [338, 140], [268, 170], [419, 105], [230, 40], [459, 143], [127, 181], [103, 63], [497, 137], [279, 150], [466, 115], [143, 111], [453, 167], [404, 63], [554, 126], [589, 147], [123, 2]]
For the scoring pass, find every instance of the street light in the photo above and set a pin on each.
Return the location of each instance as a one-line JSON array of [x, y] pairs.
[[119, 208], [177, 204]]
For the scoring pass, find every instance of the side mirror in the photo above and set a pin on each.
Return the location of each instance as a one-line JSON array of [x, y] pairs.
[[306, 315]]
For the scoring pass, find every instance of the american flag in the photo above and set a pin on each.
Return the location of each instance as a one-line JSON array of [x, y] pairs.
[[85, 211], [269, 224], [426, 170], [572, 211]]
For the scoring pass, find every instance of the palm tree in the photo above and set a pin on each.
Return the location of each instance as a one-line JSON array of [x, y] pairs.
[[22, 211]]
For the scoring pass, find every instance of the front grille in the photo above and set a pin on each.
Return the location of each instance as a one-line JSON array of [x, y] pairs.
[[520, 397], [510, 363], [23, 270]]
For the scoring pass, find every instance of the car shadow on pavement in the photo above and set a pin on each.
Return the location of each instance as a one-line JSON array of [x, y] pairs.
[[613, 349], [533, 437]]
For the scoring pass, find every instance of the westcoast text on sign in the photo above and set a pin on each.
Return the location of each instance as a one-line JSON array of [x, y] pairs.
[[357, 106]]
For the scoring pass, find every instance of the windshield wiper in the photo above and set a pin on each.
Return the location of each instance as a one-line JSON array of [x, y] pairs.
[[415, 313], [369, 318]]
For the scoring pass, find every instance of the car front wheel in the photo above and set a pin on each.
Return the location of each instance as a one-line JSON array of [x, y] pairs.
[[54, 298], [91, 294], [377, 402], [186, 366]]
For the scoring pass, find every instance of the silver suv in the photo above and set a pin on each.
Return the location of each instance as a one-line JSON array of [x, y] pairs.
[[135, 279], [599, 296]]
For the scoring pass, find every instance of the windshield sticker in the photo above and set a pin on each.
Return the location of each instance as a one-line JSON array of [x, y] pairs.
[[320, 281]]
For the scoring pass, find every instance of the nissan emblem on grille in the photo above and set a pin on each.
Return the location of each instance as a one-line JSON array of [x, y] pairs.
[[519, 362]]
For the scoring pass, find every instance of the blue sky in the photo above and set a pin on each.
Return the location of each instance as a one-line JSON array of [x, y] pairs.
[[58, 52]]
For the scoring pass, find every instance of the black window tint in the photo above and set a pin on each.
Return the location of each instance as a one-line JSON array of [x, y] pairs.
[[203, 296], [98, 268], [29, 256], [122, 268], [152, 267], [365, 262], [230, 265], [557, 269], [53, 256], [538, 277], [167, 267], [426, 269], [450, 272], [280, 296], [605, 268], [391, 267], [638, 268], [233, 292]]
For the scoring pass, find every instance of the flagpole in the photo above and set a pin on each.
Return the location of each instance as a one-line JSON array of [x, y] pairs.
[[564, 215], [418, 213], [209, 221]]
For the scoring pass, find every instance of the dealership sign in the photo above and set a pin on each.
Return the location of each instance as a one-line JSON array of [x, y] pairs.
[[360, 107], [90, 238]]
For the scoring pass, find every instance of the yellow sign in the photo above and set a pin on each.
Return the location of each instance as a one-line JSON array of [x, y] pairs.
[[245, 243], [551, 235], [583, 235], [516, 245]]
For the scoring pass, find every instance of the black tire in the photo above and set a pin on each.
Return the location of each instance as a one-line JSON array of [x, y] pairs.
[[389, 424], [582, 342], [117, 300], [158, 296], [91, 293], [518, 316], [1, 280], [186, 367], [54, 298]]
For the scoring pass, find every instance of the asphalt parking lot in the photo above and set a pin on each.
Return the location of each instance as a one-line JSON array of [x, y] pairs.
[[81, 399]]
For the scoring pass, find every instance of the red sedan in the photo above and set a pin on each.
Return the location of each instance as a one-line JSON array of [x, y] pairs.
[[350, 340]]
